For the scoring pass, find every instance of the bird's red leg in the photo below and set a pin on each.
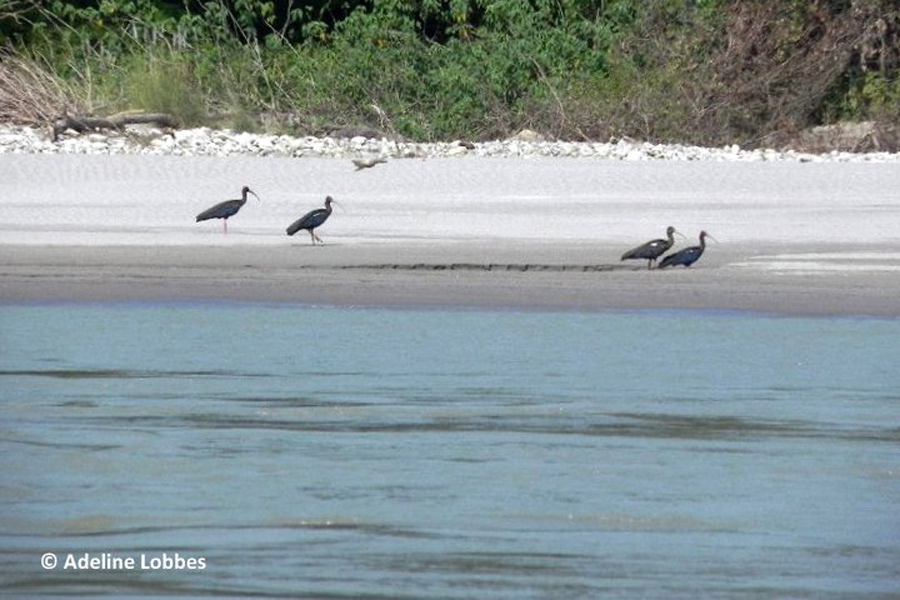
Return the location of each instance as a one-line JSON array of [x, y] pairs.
[[313, 236], [225, 224]]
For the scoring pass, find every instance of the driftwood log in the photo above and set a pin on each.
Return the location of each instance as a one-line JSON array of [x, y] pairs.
[[117, 122]]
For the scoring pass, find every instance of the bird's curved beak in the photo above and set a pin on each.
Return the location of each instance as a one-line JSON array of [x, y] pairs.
[[681, 235], [336, 203], [254, 194], [712, 238]]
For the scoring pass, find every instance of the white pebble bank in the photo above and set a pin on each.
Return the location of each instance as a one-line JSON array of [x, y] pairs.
[[210, 142]]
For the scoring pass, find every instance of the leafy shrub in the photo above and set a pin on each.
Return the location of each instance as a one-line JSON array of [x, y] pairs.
[[700, 71]]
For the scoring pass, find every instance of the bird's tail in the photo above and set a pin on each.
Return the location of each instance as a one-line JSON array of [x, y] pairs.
[[207, 214]]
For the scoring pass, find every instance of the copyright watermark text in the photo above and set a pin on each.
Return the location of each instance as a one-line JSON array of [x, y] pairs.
[[107, 561]]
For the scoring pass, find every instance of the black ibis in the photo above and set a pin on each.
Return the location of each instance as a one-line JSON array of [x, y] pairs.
[[687, 256], [311, 220], [653, 249], [226, 209], [368, 163]]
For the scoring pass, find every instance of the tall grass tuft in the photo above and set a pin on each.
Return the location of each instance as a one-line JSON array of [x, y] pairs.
[[163, 83], [30, 93]]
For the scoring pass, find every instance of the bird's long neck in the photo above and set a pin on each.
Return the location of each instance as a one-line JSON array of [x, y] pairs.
[[702, 241], [244, 194], [671, 237]]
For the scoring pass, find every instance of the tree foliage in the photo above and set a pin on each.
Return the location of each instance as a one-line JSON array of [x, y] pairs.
[[703, 71]]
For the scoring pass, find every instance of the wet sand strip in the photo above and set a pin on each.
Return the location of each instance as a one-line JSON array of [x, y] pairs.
[[554, 268]]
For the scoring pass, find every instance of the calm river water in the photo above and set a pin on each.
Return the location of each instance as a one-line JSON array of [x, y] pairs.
[[338, 453]]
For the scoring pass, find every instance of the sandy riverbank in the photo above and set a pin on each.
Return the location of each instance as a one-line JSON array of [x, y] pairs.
[[536, 233]]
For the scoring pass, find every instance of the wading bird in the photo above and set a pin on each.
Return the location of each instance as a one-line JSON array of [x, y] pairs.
[[311, 220], [653, 249], [368, 163], [687, 256], [226, 209]]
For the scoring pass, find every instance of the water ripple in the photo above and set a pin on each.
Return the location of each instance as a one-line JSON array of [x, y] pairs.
[[121, 374], [622, 424]]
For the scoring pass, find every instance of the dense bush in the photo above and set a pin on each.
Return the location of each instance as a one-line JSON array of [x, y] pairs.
[[701, 71]]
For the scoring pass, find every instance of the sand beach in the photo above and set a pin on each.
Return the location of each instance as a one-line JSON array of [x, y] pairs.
[[602, 430], [793, 237]]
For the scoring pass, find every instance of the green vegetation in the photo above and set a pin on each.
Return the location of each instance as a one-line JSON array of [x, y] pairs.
[[752, 72]]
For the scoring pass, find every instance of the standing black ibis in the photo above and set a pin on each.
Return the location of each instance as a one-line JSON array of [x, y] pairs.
[[226, 209], [653, 249], [311, 220], [687, 256]]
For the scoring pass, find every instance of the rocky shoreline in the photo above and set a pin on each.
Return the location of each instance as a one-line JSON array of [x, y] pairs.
[[209, 142]]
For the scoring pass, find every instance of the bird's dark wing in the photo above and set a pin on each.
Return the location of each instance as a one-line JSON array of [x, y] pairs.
[[633, 253], [686, 257], [222, 210], [691, 255], [310, 220], [651, 249], [669, 261]]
